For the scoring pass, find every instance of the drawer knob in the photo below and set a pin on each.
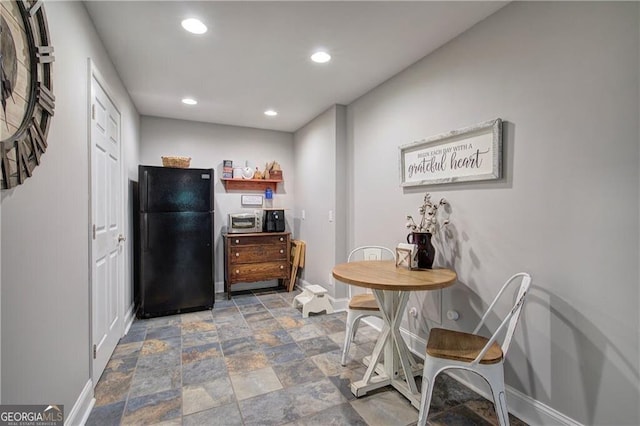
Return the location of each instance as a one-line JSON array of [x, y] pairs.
[[237, 254], [281, 251], [281, 239], [237, 271], [281, 267], [237, 241]]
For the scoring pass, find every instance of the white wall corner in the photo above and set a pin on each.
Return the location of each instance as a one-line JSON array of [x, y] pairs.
[[0, 301], [82, 408], [638, 135], [339, 304], [219, 288], [129, 317]]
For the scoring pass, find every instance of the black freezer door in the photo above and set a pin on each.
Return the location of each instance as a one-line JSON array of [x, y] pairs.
[[165, 189], [177, 262]]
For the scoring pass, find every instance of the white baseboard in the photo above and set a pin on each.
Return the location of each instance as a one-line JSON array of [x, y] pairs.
[[304, 283], [82, 408], [339, 305], [129, 317], [524, 407], [534, 412], [218, 287]]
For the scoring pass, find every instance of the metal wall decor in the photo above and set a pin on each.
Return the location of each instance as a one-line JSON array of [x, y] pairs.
[[26, 94], [469, 154]]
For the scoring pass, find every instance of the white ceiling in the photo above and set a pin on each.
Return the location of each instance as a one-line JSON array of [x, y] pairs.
[[255, 55]]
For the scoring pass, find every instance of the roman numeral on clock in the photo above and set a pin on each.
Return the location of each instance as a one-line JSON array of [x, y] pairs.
[[34, 7], [36, 145], [45, 98], [36, 136], [6, 167], [23, 170], [44, 54]]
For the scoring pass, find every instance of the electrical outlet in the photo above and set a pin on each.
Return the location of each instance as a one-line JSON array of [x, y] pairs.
[[453, 315]]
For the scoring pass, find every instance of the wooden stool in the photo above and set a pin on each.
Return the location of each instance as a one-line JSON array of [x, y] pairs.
[[313, 299]]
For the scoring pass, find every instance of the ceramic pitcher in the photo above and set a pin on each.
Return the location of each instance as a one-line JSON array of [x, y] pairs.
[[426, 251]]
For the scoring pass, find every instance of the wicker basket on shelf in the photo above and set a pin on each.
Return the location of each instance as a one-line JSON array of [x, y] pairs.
[[176, 162]]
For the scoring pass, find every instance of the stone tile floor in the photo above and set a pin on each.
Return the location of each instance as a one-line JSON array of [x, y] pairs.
[[254, 360]]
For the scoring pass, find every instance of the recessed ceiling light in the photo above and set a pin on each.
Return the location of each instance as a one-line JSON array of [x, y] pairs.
[[321, 57], [189, 101], [271, 113], [194, 26]]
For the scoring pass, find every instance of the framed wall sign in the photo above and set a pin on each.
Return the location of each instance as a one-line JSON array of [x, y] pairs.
[[469, 154], [251, 200]]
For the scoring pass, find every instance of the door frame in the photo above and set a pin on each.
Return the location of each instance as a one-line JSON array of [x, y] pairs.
[[94, 73]]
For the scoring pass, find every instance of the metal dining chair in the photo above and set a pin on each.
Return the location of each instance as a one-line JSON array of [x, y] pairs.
[[448, 349], [362, 305]]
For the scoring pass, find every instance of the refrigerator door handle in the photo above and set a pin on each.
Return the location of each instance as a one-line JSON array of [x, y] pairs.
[[146, 232], [143, 192]]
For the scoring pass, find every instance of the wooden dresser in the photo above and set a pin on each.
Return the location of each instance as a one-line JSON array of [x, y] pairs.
[[256, 257]]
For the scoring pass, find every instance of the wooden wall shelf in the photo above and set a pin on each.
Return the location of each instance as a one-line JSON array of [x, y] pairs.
[[250, 184]]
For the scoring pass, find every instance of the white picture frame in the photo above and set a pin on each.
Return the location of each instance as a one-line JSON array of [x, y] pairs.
[[251, 200], [470, 154]]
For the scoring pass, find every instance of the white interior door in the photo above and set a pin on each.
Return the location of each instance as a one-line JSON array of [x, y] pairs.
[[106, 246]]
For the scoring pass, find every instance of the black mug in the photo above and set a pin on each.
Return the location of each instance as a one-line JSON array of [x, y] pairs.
[[426, 251]]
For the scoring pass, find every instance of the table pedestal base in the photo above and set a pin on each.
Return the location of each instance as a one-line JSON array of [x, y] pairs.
[[398, 368]]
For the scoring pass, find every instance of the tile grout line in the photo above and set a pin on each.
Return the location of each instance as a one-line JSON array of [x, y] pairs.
[[133, 374], [181, 373], [235, 396], [259, 303]]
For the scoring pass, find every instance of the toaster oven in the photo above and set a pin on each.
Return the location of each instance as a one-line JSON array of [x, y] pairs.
[[244, 223]]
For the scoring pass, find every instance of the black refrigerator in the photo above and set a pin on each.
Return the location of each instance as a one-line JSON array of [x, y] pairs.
[[175, 241]]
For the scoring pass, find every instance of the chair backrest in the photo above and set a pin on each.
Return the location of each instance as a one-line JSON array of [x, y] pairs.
[[511, 319], [369, 253]]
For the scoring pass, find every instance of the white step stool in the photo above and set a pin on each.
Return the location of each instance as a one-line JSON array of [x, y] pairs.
[[313, 299]]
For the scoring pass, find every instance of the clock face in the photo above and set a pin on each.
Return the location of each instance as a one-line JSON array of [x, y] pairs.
[[26, 95], [15, 91]]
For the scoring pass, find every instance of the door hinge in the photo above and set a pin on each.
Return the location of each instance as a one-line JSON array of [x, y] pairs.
[[94, 231], [95, 351], [93, 111]]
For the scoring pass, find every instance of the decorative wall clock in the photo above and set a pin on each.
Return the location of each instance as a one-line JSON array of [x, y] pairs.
[[26, 57]]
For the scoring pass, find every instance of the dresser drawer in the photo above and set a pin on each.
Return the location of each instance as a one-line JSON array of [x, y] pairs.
[[260, 256], [235, 241], [250, 272], [257, 254]]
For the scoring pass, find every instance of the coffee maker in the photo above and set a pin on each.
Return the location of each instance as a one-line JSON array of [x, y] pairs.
[[273, 221]]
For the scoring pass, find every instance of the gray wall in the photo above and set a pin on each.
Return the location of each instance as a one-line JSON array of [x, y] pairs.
[[208, 145], [342, 191], [320, 168], [45, 230], [564, 77], [0, 301]]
